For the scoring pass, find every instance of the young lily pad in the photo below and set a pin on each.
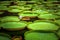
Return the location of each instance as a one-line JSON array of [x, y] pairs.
[[45, 26], [40, 36]]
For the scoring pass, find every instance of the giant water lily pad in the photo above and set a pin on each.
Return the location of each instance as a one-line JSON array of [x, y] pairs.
[[9, 18], [52, 0], [58, 21], [59, 33], [14, 7], [48, 16], [3, 8], [5, 3], [41, 11], [21, 2], [40, 36], [46, 26], [29, 6], [4, 36], [44, 21], [14, 10], [58, 13], [20, 7], [1, 12], [13, 25], [29, 14]]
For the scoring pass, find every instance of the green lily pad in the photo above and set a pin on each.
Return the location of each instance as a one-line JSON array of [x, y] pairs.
[[14, 7], [44, 21], [40, 36], [39, 8], [4, 36], [46, 26], [14, 10], [1, 12], [48, 16], [9, 18], [29, 14], [5, 3], [0, 19], [34, 0], [59, 33], [58, 13], [29, 6], [41, 12], [3, 8], [21, 2], [52, 0], [29, 23], [13, 25], [58, 21]]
